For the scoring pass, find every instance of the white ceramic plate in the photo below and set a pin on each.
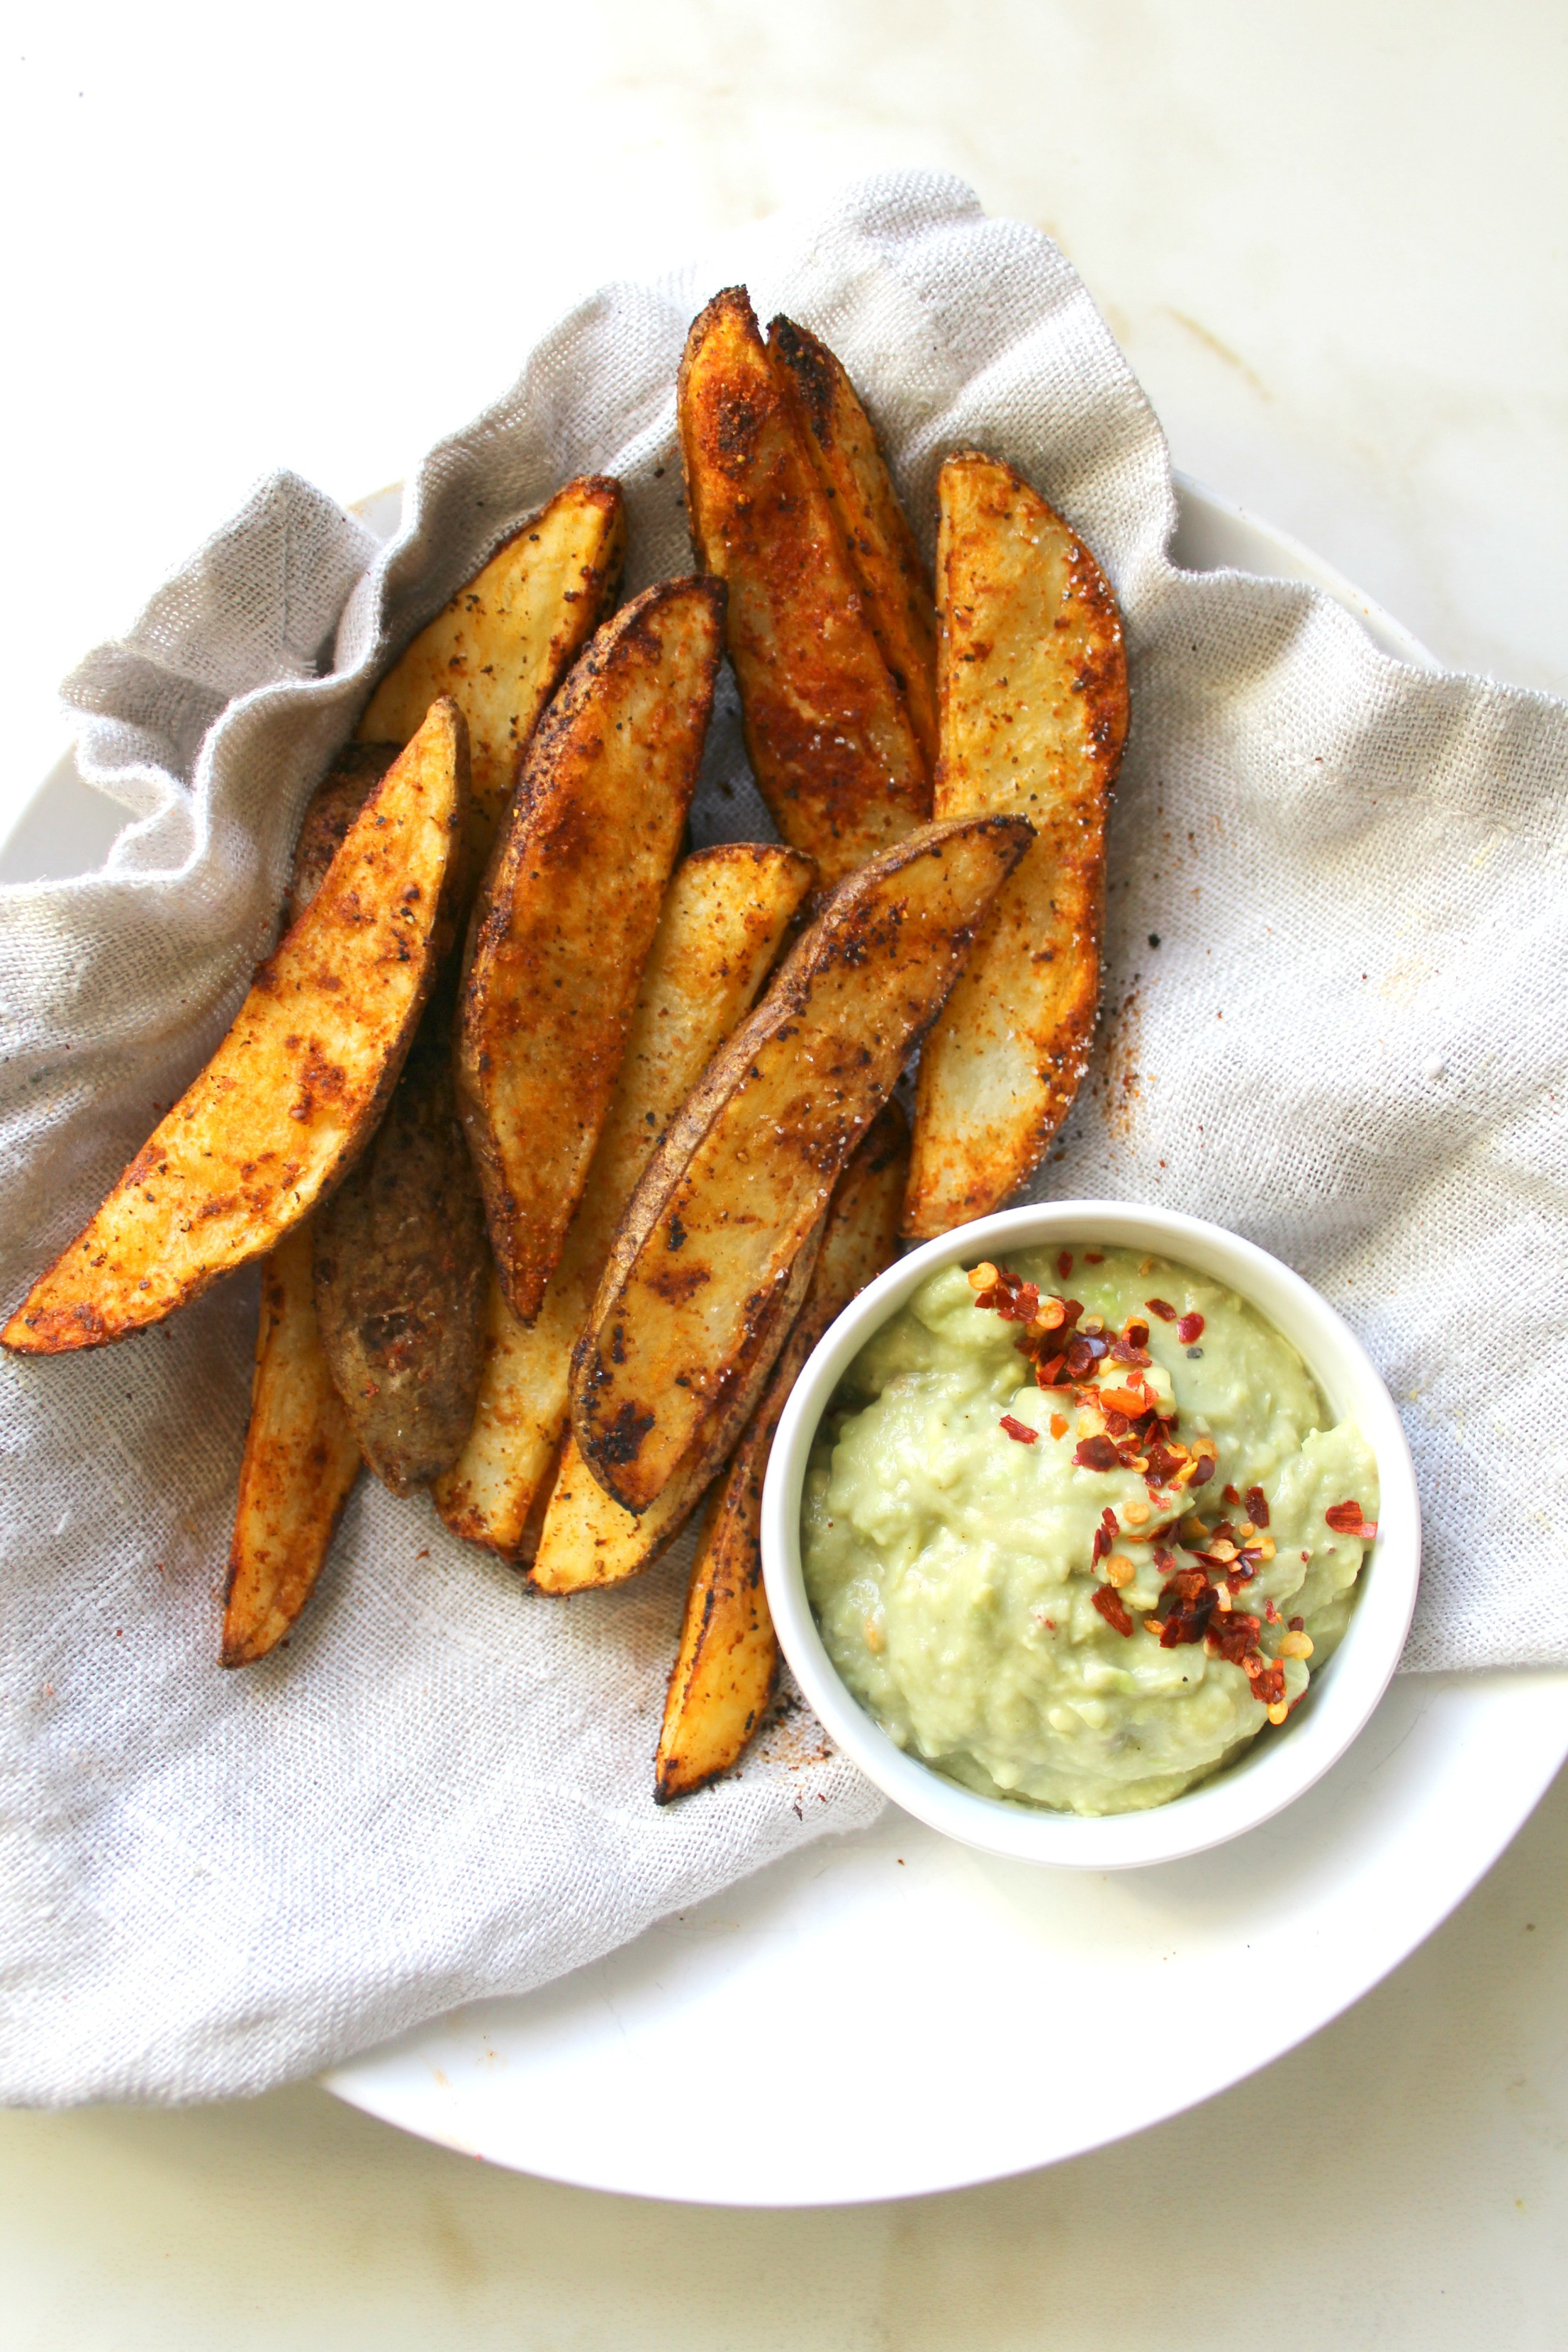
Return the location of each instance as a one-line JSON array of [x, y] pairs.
[[928, 2016]]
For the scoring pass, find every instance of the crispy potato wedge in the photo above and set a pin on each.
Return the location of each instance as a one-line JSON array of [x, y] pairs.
[[745, 1172], [829, 737], [723, 920], [402, 1268], [1034, 716], [589, 1540], [298, 1086], [872, 524], [330, 810], [505, 642], [567, 915], [726, 1662], [300, 1464]]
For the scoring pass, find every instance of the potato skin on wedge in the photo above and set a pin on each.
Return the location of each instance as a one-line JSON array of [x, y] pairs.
[[1033, 683], [726, 1662], [300, 1464], [872, 524], [402, 1267], [296, 1088], [745, 1172], [830, 740], [505, 642], [568, 912], [723, 920]]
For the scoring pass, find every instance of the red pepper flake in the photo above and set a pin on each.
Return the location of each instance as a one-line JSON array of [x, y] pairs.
[[1298, 1624], [1229, 1494], [1113, 1608], [1162, 1309], [1269, 1686], [1203, 1471], [1064, 1267], [1257, 1506], [1096, 1454], [1094, 1257], [1345, 1518], [1019, 1428], [1232, 1635], [1189, 1328], [1058, 1426]]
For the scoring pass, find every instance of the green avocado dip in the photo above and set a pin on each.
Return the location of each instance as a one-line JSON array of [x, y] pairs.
[[1079, 1548]]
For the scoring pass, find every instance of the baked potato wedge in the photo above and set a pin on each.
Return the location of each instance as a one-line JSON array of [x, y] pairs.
[[723, 920], [330, 810], [567, 916], [829, 737], [872, 524], [301, 1463], [588, 1539], [298, 1086], [726, 1662], [1033, 683], [402, 1268], [505, 642], [744, 1174]]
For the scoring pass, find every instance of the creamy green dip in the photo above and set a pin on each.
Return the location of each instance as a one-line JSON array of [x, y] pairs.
[[972, 1586]]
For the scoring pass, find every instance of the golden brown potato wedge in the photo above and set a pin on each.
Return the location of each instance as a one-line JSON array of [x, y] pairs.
[[331, 809], [726, 1662], [828, 734], [300, 1464], [745, 1172], [724, 916], [568, 912], [402, 1267], [872, 524], [589, 1540], [1034, 716], [298, 1086], [505, 642]]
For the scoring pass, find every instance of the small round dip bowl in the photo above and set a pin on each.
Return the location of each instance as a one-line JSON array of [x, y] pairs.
[[1279, 1764]]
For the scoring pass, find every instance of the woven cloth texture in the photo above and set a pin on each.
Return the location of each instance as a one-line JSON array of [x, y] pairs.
[[1348, 1045]]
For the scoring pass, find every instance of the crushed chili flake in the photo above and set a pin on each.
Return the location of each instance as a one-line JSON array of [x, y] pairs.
[[1019, 1428], [1009, 1295], [1113, 1608], [1189, 1328], [1268, 1687], [1257, 1506], [1298, 1624], [1064, 1264], [1096, 1454], [1094, 1257], [1162, 1309], [1202, 1470], [1234, 1636], [1346, 1519], [1229, 1494], [1058, 1426]]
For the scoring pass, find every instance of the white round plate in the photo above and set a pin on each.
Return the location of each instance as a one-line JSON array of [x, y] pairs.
[[899, 2014]]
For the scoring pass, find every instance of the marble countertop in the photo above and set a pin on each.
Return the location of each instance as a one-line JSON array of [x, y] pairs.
[[1329, 239]]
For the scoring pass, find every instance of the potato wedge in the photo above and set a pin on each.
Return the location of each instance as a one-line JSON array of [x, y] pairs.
[[505, 642], [568, 912], [872, 524], [829, 737], [330, 810], [296, 1088], [726, 1662], [402, 1268], [1034, 715], [745, 1172], [588, 1539], [723, 920], [300, 1464]]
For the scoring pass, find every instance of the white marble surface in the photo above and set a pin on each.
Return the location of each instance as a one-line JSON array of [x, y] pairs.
[[1329, 235]]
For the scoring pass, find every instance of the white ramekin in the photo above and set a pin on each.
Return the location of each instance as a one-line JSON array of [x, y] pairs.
[[1281, 1764]]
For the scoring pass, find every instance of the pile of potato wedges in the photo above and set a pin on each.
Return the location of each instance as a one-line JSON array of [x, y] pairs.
[[560, 1147]]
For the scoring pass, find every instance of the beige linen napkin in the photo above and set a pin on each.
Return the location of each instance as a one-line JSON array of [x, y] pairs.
[[1347, 1045]]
